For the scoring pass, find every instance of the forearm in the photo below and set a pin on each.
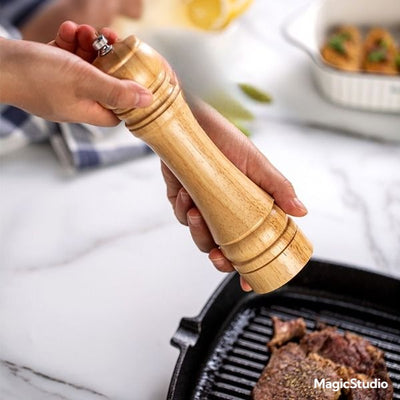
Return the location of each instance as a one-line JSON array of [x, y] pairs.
[[8, 70]]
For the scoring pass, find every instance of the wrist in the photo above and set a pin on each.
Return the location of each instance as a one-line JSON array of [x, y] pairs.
[[16, 64]]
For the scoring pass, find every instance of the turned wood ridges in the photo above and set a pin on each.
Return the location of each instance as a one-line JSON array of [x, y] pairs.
[[262, 242]]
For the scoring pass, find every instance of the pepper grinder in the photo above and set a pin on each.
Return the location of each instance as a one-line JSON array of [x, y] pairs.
[[264, 245]]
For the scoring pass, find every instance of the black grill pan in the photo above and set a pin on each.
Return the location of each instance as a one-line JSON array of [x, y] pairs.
[[223, 349]]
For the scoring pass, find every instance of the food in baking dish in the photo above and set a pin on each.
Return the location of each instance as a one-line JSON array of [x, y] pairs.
[[380, 52], [343, 48]]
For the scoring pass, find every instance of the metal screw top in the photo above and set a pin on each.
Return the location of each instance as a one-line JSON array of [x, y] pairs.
[[101, 45]]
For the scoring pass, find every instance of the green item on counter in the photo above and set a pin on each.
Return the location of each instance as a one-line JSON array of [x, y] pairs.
[[255, 93], [232, 109], [229, 107], [377, 56]]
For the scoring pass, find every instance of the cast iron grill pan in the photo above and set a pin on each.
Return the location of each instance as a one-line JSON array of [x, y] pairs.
[[223, 350]]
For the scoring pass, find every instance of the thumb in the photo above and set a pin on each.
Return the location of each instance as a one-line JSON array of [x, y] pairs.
[[115, 93]]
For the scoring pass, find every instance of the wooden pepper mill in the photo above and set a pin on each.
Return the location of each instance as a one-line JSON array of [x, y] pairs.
[[262, 242]]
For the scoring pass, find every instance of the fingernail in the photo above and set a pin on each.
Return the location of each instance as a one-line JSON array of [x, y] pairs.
[[194, 220], [185, 196], [298, 204], [244, 285], [144, 98], [218, 262]]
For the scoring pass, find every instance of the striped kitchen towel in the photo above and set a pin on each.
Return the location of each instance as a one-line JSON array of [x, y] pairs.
[[79, 146]]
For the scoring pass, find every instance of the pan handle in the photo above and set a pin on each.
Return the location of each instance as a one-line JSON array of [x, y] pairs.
[[187, 333]]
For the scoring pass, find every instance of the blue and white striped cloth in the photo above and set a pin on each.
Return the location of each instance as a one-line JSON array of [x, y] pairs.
[[77, 145]]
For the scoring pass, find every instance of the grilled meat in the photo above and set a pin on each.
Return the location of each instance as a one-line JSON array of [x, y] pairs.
[[284, 331], [367, 393], [290, 374], [325, 355], [351, 351]]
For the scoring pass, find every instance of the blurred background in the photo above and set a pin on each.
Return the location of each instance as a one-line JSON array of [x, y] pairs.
[[95, 272]]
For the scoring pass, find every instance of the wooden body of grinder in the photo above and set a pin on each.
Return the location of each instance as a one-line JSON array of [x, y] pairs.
[[262, 242]]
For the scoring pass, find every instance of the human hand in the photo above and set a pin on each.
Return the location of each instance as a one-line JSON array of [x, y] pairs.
[[250, 161], [78, 39], [61, 86]]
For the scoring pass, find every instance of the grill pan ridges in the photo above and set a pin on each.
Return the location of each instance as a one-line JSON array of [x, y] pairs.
[[223, 350]]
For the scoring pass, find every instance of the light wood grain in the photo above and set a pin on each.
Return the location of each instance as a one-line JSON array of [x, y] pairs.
[[260, 240]]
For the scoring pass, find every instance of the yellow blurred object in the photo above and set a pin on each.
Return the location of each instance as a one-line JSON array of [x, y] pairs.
[[238, 7], [209, 14], [199, 15], [215, 14]]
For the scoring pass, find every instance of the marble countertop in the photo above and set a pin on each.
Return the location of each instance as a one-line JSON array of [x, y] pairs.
[[95, 273]]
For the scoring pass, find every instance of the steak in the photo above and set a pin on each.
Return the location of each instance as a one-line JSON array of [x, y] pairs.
[[295, 370], [368, 393], [284, 331], [348, 349], [290, 374], [355, 353]]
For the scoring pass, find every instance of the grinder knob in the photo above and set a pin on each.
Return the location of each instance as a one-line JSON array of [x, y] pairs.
[[101, 45]]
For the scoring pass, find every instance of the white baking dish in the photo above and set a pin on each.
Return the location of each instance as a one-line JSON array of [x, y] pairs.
[[309, 28]]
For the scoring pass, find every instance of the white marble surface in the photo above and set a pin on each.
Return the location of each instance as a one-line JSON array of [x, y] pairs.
[[95, 272]]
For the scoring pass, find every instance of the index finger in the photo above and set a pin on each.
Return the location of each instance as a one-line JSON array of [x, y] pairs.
[[66, 36], [86, 34]]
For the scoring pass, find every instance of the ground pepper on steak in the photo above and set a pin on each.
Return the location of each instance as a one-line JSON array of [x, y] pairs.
[[290, 374], [353, 352], [325, 354]]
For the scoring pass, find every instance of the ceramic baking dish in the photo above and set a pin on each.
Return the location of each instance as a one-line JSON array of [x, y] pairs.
[[308, 29]]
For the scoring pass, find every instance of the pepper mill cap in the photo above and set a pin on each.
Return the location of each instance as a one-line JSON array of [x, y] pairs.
[[101, 45]]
